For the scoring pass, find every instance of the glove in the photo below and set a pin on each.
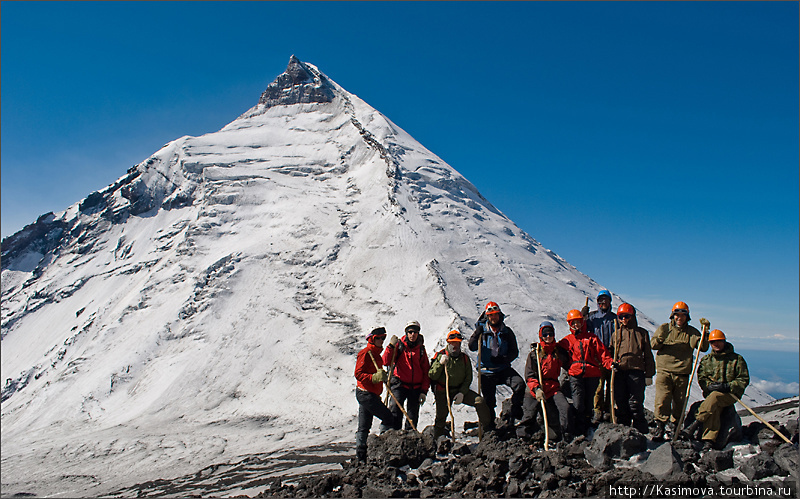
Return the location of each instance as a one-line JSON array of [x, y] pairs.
[[458, 398], [648, 381], [539, 395], [719, 387], [585, 310], [615, 366], [421, 398], [704, 322], [394, 340], [442, 358], [379, 377]]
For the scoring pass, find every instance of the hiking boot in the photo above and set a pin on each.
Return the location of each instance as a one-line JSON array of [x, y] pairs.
[[707, 445], [692, 429], [658, 433], [597, 417]]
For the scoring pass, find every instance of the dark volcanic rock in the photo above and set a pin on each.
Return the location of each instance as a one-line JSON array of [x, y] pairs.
[[760, 466], [615, 441], [718, 460], [663, 462], [398, 448], [786, 456], [298, 84]]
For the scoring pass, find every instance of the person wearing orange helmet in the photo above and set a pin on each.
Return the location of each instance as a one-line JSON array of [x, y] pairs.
[[553, 359], [675, 343], [635, 368], [587, 354], [721, 373], [498, 350], [370, 379], [450, 364]]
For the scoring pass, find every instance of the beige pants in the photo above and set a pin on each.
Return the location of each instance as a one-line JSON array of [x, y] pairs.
[[710, 411], [670, 396], [602, 397]]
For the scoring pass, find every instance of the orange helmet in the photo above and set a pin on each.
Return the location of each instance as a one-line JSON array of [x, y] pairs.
[[716, 335], [680, 308], [454, 337], [626, 308], [573, 315], [492, 308]]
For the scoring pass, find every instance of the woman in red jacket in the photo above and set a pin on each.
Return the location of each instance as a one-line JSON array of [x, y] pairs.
[[553, 359], [409, 380], [587, 353], [368, 392]]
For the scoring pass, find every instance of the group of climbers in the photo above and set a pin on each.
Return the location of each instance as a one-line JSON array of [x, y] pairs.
[[602, 350]]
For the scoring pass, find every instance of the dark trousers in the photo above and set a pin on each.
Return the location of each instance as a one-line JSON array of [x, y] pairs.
[[407, 396], [369, 405], [583, 390], [629, 398], [510, 378], [559, 414]]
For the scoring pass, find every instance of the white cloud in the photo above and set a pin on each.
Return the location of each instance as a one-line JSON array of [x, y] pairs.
[[776, 386]]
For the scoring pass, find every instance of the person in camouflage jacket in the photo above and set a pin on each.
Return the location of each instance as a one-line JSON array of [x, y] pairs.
[[722, 373]]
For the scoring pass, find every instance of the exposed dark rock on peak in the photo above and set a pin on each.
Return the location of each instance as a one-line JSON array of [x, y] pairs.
[[298, 84]]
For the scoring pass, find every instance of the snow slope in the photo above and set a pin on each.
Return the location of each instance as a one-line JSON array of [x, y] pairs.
[[210, 303]]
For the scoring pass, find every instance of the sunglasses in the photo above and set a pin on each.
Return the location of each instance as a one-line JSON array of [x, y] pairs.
[[547, 332], [492, 309], [624, 316]]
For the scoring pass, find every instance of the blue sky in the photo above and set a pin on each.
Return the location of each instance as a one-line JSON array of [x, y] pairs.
[[654, 145]]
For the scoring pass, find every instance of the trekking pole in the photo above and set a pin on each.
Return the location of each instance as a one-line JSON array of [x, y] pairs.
[[689, 387], [391, 371], [375, 363], [478, 365], [762, 420], [544, 406], [614, 372], [449, 407]]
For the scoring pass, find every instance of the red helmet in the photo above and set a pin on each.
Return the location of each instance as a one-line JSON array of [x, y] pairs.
[[574, 315], [716, 335], [492, 308], [626, 308]]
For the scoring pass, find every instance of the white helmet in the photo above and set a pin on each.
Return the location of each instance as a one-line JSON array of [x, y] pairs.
[[412, 324]]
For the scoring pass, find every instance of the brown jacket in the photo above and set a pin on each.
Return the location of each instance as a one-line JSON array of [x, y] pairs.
[[634, 352]]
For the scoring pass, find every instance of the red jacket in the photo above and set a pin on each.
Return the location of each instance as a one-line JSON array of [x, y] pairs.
[[411, 364], [587, 352], [552, 363], [365, 369]]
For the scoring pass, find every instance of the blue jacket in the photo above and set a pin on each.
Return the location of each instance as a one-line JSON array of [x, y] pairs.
[[507, 347], [602, 325]]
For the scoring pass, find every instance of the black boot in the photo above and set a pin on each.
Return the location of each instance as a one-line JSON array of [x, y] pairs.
[[658, 433], [693, 429]]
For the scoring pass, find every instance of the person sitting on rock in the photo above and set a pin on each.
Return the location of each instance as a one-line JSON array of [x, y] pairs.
[[635, 368], [722, 374], [370, 377], [675, 343], [553, 359], [587, 354], [498, 349], [409, 380], [459, 373]]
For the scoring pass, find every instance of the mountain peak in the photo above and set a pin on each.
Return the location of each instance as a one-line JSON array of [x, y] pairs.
[[298, 84]]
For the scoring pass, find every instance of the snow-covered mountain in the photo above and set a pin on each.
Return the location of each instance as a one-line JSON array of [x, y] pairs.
[[210, 303]]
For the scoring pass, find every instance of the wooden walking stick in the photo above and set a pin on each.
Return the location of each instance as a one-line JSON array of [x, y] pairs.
[[478, 366], [762, 420], [689, 388], [375, 363], [449, 407], [613, 371], [544, 406], [391, 371]]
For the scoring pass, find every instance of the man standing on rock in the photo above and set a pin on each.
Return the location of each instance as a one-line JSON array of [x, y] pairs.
[[675, 342], [588, 354], [635, 368], [370, 377], [498, 346], [450, 364], [409, 381], [552, 359], [601, 323], [722, 374]]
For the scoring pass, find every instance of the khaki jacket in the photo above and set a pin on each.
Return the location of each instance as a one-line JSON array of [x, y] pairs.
[[634, 353], [675, 347]]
